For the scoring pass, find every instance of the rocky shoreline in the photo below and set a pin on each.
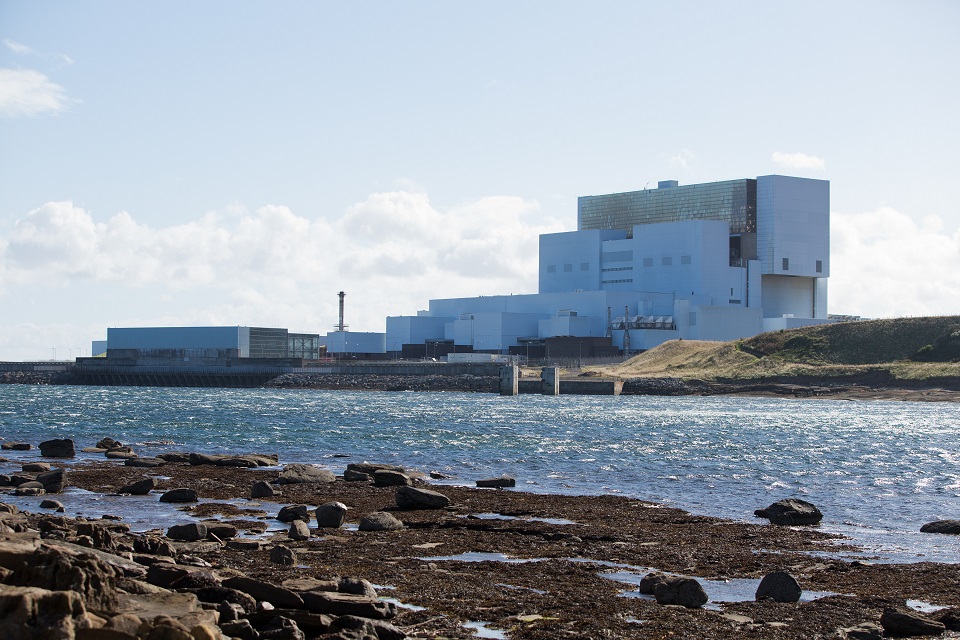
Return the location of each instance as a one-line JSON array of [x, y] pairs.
[[262, 549], [851, 388]]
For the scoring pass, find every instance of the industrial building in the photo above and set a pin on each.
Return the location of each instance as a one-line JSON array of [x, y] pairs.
[[715, 261], [223, 342]]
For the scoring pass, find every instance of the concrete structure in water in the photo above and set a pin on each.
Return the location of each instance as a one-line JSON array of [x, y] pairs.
[[714, 261]]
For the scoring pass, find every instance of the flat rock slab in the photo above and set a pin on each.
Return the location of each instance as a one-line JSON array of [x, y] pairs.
[[347, 604], [503, 482], [148, 463], [416, 498], [379, 521], [277, 596], [297, 473]]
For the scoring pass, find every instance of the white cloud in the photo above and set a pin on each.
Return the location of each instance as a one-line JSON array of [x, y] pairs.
[[798, 161], [29, 93], [683, 158], [391, 253], [885, 264], [17, 48]]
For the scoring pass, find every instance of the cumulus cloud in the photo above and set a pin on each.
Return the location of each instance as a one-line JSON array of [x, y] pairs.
[[24, 92], [798, 161], [886, 264], [391, 253]]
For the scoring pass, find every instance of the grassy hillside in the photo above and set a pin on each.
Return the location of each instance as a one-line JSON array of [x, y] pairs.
[[839, 349]]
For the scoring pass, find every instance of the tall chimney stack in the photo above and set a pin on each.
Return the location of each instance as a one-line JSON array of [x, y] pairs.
[[340, 325]]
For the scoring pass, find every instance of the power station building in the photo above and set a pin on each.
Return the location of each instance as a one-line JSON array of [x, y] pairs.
[[715, 261], [229, 342]]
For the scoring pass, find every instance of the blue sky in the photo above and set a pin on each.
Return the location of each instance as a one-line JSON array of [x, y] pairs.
[[241, 162]]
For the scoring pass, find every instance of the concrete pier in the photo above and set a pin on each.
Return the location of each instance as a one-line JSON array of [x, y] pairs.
[[510, 380], [550, 381]]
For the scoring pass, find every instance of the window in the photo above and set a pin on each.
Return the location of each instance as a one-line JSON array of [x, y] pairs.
[[551, 268], [666, 261], [692, 319], [648, 262], [786, 264], [685, 260], [819, 266], [584, 266], [567, 268]]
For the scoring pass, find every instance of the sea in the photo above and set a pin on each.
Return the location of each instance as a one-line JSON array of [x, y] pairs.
[[878, 470]]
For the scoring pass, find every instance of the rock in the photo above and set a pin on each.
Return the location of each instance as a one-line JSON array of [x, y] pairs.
[[262, 489], [902, 623], [439, 475], [205, 631], [124, 622], [283, 555], [415, 498], [862, 631], [179, 495], [53, 481], [61, 569], [221, 594], [357, 586], [220, 530], [649, 582], [29, 489], [35, 467], [154, 546], [51, 504], [139, 488], [355, 476], [331, 515], [299, 530], [347, 604], [779, 586], [367, 628], [938, 526], [32, 613], [108, 443], [277, 596], [369, 468], [304, 473], [189, 532], [389, 478], [293, 512], [686, 592], [239, 629], [120, 453], [175, 456], [148, 463], [950, 618], [16, 446], [379, 521], [57, 448], [791, 511], [282, 628], [503, 482], [230, 611]]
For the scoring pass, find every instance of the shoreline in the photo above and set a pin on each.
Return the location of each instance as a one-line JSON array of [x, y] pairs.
[[838, 388], [574, 560]]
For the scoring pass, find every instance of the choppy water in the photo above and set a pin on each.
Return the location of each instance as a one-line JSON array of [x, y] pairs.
[[878, 470]]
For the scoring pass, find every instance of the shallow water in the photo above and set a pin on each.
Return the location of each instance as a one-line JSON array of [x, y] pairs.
[[878, 470]]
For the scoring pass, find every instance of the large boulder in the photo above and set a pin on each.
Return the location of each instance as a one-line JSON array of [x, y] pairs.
[[503, 482], [35, 467], [791, 511], [262, 489], [60, 569], [331, 515], [942, 526], [379, 521], [139, 488], [57, 448], [179, 495], [108, 443], [32, 613], [283, 555], [779, 586], [389, 478], [298, 530], [264, 591], [649, 582], [190, 532], [415, 498], [293, 512], [16, 446], [686, 592], [348, 604], [53, 481], [905, 624], [297, 473]]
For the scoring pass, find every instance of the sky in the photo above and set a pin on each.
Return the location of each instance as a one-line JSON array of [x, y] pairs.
[[239, 163]]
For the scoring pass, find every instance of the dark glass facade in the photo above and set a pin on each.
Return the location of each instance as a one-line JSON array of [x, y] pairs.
[[734, 201]]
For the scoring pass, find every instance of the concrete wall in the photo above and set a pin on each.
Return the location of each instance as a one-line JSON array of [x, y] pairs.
[[793, 225]]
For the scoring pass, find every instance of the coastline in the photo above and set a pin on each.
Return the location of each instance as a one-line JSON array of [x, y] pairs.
[[573, 560], [839, 388]]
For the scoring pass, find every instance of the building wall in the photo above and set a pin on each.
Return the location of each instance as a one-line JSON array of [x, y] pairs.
[[360, 342], [570, 261], [153, 338], [793, 226], [419, 329]]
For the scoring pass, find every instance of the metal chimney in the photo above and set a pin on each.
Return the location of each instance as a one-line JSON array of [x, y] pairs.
[[340, 325]]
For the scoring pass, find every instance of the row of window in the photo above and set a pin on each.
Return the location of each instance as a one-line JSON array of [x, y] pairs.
[[665, 261], [786, 265]]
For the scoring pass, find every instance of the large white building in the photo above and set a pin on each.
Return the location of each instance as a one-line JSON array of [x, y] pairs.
[[714, 261]]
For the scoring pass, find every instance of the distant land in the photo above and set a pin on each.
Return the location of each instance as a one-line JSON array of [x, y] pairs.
[[902, 358]]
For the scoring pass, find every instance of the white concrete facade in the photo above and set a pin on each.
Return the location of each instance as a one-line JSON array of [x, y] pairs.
[[676, 274]]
